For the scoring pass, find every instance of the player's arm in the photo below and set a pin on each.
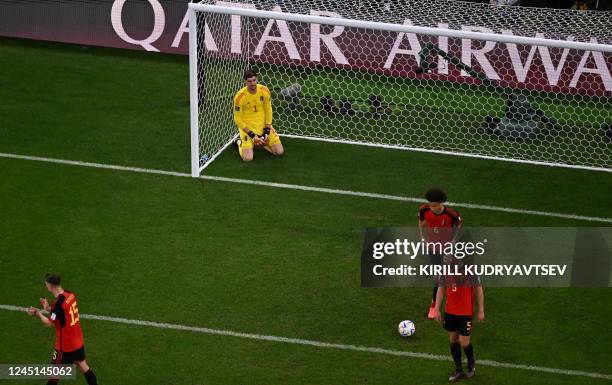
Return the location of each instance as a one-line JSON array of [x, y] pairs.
[[439, 298], [267, 108], [45, 304], [480, 300], [456, 227], [238, 117], [422, 223], [267, 111], [43, 318]]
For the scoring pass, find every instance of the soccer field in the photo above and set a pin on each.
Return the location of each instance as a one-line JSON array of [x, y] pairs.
[[223, 281]]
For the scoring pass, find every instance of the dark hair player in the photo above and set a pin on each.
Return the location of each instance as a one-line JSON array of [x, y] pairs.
[[64, 315], [437, 223]]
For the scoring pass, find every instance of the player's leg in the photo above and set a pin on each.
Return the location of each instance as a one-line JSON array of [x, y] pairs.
[[275, 146], [245, 147], [246, 154], [87, 372], [432, 306], [278, 149], [434, 259], [455, 348], [78, 358], [83, 367], [56, 359], [450, 324], [465, 341]]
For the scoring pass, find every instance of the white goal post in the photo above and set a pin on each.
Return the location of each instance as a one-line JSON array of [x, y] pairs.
[[522, 95]]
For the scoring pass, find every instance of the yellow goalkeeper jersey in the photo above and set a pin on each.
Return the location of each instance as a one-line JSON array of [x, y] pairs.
[[253, 111]]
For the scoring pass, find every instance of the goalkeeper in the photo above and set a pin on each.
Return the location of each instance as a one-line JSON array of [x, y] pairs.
[[253, 116]]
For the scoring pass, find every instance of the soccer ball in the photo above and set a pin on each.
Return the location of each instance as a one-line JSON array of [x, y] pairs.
[[406, 328]]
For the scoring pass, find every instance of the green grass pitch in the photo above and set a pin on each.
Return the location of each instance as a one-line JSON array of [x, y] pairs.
[[252, 259]]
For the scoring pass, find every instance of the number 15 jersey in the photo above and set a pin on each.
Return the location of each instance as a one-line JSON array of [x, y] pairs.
[[65, 316]]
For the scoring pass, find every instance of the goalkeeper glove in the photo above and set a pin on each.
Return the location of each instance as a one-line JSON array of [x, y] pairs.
[[266, 135], [258, 141]]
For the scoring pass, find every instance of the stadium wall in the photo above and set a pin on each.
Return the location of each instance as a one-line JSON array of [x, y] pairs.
[[161, 26]]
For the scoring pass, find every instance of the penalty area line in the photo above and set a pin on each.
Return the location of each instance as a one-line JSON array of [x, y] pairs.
[[325, 345], [404, 198], [306, 188]]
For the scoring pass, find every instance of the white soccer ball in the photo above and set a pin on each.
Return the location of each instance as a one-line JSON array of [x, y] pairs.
[[406, 328]]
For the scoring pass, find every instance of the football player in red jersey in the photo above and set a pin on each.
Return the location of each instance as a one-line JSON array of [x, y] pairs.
[[458, 315], [64, 315], [437, 223]]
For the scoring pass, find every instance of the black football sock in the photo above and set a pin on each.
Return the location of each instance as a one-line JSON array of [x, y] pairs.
[[52, 382], [455, 349], [91, 377], [469, 353], [435, 292]]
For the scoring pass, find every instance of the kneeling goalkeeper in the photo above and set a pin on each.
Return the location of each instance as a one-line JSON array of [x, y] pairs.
[[253, 116]]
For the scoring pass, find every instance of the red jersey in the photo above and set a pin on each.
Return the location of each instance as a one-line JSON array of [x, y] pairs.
[[65, 315], [459, 300], [440, 227]]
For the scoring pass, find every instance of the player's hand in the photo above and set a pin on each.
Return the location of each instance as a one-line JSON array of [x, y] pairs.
[[437, 315], [481, 316], [44, 303], [260, 141], [266, 134], [31, 310], [257, 141]]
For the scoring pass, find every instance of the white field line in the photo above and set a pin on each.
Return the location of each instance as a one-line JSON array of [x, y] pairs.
[[451, 153], [307, 188], [327, 345]]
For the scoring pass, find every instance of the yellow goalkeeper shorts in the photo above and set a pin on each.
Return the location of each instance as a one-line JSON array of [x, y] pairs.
[[247, 143]]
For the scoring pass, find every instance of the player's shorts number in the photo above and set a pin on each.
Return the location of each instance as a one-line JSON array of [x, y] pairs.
[[74, 314], [469, 326]]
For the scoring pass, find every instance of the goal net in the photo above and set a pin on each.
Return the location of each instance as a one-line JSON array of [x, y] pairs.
[[441, 76]]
